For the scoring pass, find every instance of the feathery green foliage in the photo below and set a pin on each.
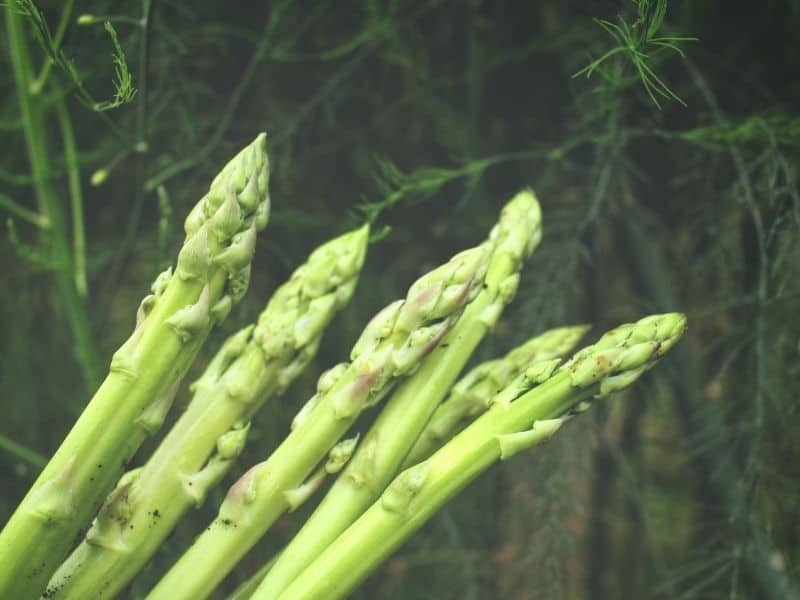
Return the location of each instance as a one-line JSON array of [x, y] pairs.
[[640, 42], [124, 92]]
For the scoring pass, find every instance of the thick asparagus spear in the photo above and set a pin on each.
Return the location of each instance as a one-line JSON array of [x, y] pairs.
[[471, 395], [212, 272], [253, 365], [526, 412], [376, 461], [392, 345]]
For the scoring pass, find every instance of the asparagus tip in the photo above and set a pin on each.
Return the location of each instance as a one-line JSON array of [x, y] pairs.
[[621, 355]]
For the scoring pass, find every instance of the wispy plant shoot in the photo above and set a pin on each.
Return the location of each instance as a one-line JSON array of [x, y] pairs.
[[640, 43], [33, 255], [124, 91], [423, 182]]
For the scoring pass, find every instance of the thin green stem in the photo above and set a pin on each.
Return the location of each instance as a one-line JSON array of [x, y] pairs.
[[37, 85], [23, 452], [76, 198], [49, 205], [87, 19], [26, 214]]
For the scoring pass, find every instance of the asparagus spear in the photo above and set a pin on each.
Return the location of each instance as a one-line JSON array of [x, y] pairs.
[[516, 234], [471, 395], [337, 458], [392, 345], [254, 364], [212, 273], [526, 412]]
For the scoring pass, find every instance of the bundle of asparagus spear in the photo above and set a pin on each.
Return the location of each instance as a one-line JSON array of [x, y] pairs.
[[431, 438]]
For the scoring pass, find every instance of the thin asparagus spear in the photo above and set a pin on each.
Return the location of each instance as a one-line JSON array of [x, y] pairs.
[[337, 458], [392, 345], [471, 395], [526, 412], [254, 364], [515, 236], [212, 273]]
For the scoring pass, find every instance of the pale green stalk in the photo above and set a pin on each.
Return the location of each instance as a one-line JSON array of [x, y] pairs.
[[404, 416], [212, 272], [253, 365], [392, 345], [471, 395], [526, 412]]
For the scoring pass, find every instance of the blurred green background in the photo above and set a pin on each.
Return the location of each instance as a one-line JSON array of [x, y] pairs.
[[667, 178]]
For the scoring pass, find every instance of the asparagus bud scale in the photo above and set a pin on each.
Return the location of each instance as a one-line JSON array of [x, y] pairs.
[[514, 237], [526, 412], [172, 322], [253, 365], [392, 344]]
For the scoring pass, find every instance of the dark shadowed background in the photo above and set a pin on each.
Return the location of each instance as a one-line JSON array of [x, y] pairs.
[[667, 182]]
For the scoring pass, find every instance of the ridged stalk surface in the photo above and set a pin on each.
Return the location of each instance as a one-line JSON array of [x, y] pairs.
[[386, 444], [392, 345], [525, 413], [471, 395], [212, 272], [253, 365]]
